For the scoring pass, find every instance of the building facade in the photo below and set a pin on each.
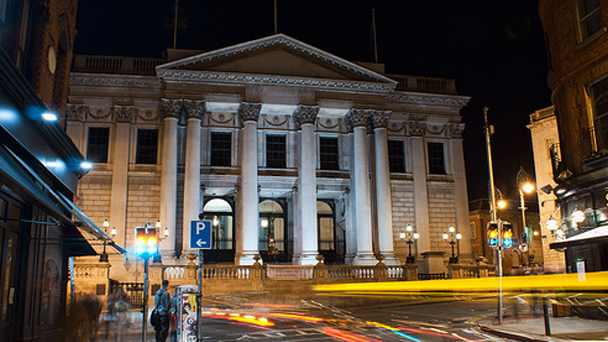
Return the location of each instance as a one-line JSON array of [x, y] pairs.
[[577, 43], [545, 143], [289, 152], [40, 227]]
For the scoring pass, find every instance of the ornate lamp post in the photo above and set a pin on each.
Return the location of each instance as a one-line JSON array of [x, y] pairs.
[[524, 186], [454, 238], [411, 239]]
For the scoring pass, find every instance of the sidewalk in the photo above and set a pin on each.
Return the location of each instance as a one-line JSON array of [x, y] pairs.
[[562, 329]]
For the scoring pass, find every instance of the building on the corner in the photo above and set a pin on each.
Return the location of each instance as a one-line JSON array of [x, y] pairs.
[[289, 151], [577, 45], [40, 226], [545, 142]]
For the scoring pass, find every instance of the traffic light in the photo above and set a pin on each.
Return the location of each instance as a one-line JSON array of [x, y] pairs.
[[493, 234], [507, 235], [146, 242]]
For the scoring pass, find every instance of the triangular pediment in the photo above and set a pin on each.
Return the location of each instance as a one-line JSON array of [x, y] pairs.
[[276, 55]]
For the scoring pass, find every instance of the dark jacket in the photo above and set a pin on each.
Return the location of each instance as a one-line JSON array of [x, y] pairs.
[[163, 301]]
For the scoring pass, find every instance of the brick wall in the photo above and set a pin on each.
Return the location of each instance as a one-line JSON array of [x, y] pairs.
[[403, 213], [442, 214], [94, 197], [143, 203]]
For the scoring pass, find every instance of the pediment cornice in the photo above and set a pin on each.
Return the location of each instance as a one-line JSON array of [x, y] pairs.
[[252, 79]]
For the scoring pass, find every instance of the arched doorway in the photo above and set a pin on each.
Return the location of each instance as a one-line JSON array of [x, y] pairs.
[[273, 243], [221, 214], [330, 240]]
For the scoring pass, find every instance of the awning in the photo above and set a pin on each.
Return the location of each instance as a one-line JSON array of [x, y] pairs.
[[596, 235], [19, 175]]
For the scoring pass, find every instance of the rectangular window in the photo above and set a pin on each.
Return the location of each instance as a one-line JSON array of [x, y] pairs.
[[436, 158], [329, 154], [97, 145], [275, 151], [221, 148], [396, 156], [590, 17], [147, 146]]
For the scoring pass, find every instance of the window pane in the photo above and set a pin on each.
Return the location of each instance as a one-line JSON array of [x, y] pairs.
[[328, 148], [221, 149], [396, 156], [590, 17], [147, 146], [97, 146], [275, 151], [436, 158]]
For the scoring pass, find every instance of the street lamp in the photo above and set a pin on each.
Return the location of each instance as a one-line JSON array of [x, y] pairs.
[[411, 239], [524, 186], [453, 240]]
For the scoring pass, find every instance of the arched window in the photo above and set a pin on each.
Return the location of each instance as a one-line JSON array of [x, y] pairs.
[[326, 225], [219, 212], [272, 227]]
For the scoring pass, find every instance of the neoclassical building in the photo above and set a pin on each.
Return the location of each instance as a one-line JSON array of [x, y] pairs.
[[289, 151]]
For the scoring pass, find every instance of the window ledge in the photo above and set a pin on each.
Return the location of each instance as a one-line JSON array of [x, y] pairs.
[[592, 38]]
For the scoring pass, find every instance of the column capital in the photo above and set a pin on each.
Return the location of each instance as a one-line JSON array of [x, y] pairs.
[[380, 118], [194, 109], [124, 114], [249, 111], [358, 117], [75, 112], [455, 130], [305, 115], [417, 129], [171, 108]]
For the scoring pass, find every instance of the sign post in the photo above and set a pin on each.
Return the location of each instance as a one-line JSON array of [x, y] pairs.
[[200, 238]]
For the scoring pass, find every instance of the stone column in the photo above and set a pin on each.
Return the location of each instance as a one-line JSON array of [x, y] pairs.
[[120, 179], [192, 175], [170, 110], [384, 201], [305, 117], [460, 189], [359, 120], [417, 131], [248, 114]]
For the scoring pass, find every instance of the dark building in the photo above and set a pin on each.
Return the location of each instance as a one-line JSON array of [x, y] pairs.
[[577, 45], [40, 226]]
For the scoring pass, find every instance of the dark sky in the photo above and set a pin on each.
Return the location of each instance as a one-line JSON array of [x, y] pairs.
[[493, 48]]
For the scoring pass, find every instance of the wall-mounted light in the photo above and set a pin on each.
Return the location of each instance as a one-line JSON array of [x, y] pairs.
[[85, 165], [578, 215]]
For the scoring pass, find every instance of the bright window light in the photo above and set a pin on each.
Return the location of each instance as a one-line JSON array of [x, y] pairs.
[[48, 116], [85, 165]]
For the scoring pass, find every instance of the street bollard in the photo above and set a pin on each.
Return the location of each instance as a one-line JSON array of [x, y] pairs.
[[546, 315]]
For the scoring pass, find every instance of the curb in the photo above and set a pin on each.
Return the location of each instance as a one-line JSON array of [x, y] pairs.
[[511, 335]]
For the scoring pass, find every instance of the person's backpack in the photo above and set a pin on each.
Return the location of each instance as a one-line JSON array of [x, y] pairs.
[[154, 318]]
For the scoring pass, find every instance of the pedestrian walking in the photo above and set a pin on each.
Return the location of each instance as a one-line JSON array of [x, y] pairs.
[[163, 303]]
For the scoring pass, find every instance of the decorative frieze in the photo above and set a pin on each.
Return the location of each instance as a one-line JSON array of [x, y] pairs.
[[455, 130], [124, 114], [380, 118], [194, 109], [417, 129], [76, 112], [171, 108], [305, 115], [249, 111]]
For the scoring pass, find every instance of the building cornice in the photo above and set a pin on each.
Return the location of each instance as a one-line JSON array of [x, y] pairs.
[[255, 79], [426, 98], [114, 80]]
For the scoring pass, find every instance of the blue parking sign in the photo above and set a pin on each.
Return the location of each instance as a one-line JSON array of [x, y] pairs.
[[200, 234]]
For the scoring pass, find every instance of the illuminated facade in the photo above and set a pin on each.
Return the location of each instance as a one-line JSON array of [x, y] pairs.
[[577, 44], [289, 151]]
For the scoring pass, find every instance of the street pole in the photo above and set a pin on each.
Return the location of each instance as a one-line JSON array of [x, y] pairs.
[[523, 219], [199, 298], [145, 308], [488, 132]]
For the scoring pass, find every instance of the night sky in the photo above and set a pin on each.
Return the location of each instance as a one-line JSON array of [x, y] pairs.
[[493, 48]]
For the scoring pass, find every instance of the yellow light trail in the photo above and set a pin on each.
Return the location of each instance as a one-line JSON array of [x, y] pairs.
[[547, 282]]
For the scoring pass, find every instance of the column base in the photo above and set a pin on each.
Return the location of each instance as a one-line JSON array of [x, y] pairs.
[[309, 258], [249, 258], [390, 259], [365, 259]]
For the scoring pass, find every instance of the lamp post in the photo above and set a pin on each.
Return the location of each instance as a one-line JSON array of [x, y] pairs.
[[411, 239], [524, 186], [454, 238]]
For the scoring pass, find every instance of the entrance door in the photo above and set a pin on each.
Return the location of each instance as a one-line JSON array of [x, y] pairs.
[[219, 212], [273, 242], [331, 238]]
